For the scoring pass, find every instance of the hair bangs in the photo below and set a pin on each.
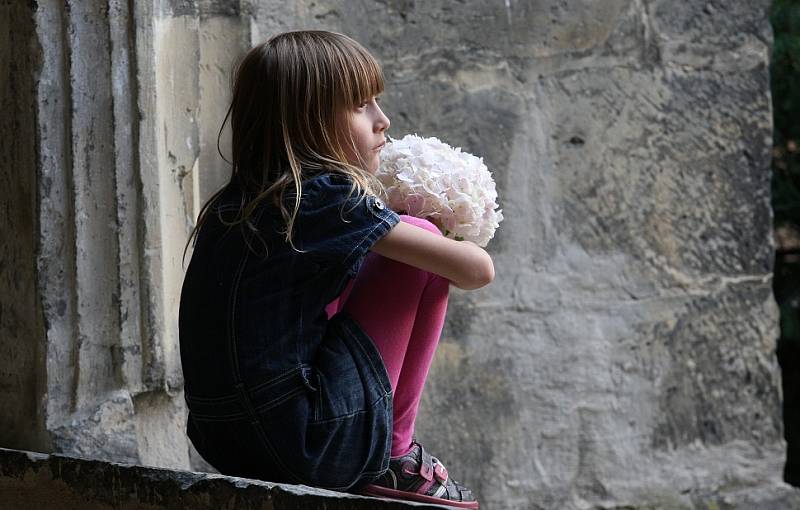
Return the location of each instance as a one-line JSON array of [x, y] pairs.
[[365, 75]]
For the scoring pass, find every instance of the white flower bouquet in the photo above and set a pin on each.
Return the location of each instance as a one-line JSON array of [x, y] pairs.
[[426, 178]]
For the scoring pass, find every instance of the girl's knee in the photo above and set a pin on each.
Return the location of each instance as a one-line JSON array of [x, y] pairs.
[[421, 222]]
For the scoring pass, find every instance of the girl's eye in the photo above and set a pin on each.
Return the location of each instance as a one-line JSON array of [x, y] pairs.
[[366, 102]]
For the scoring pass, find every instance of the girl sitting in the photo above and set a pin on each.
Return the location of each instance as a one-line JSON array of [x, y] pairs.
[[310, 311]]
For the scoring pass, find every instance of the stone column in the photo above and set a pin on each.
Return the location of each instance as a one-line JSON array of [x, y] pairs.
[[112, 103]]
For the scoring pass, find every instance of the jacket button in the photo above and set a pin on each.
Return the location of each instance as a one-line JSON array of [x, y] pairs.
[[379, 204]]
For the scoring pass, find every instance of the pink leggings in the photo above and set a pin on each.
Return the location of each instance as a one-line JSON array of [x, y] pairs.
[[402, 308]]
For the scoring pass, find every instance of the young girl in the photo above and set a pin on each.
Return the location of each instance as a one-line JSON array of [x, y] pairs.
[[310, 311]]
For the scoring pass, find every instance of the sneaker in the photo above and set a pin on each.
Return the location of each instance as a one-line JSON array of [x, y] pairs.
[[416, 476]]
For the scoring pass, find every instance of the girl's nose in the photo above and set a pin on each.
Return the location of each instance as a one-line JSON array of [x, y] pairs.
[[382, 123]]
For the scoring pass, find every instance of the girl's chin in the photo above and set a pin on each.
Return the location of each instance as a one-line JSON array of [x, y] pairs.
[[370, 164], [373, 167]]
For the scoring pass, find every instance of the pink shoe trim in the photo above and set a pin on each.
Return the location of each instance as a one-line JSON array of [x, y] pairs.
[[377, 490], [422, 489], [441, 473]]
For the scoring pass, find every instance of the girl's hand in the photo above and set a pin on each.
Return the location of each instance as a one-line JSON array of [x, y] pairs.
[[464, 263]]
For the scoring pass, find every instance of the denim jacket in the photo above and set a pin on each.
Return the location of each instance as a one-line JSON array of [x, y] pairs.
[[274, 389]]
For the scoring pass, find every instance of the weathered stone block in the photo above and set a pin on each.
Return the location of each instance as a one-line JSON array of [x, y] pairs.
[[33, 480]]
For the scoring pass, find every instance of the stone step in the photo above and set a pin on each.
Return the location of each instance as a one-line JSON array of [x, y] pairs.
[[30, 481]]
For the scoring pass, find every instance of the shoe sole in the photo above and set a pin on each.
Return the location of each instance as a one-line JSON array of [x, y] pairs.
[[384, 492]]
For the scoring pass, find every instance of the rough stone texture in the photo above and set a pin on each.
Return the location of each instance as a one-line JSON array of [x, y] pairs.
[[33, 480], [624, 355]]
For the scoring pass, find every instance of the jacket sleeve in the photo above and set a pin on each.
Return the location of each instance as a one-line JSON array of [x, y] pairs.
[[335, 227]]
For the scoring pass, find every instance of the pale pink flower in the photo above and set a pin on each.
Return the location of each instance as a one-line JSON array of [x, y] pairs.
[[427, 178]]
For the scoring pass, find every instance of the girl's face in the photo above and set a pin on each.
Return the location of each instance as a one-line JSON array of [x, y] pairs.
[[366, 124]]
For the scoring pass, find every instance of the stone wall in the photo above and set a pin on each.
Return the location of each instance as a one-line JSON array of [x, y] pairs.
[[624, 354]]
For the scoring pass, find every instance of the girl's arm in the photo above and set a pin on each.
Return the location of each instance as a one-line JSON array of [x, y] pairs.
[[464, 263]]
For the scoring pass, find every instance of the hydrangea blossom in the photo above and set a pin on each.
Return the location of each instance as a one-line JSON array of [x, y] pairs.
[[426, 178]]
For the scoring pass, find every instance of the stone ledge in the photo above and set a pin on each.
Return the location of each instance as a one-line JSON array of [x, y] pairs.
[[30, 480]]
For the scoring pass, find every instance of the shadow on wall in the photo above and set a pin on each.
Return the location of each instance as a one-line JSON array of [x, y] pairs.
[[785, 70]]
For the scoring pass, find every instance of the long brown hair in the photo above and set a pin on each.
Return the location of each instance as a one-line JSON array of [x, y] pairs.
[[285, 114]]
